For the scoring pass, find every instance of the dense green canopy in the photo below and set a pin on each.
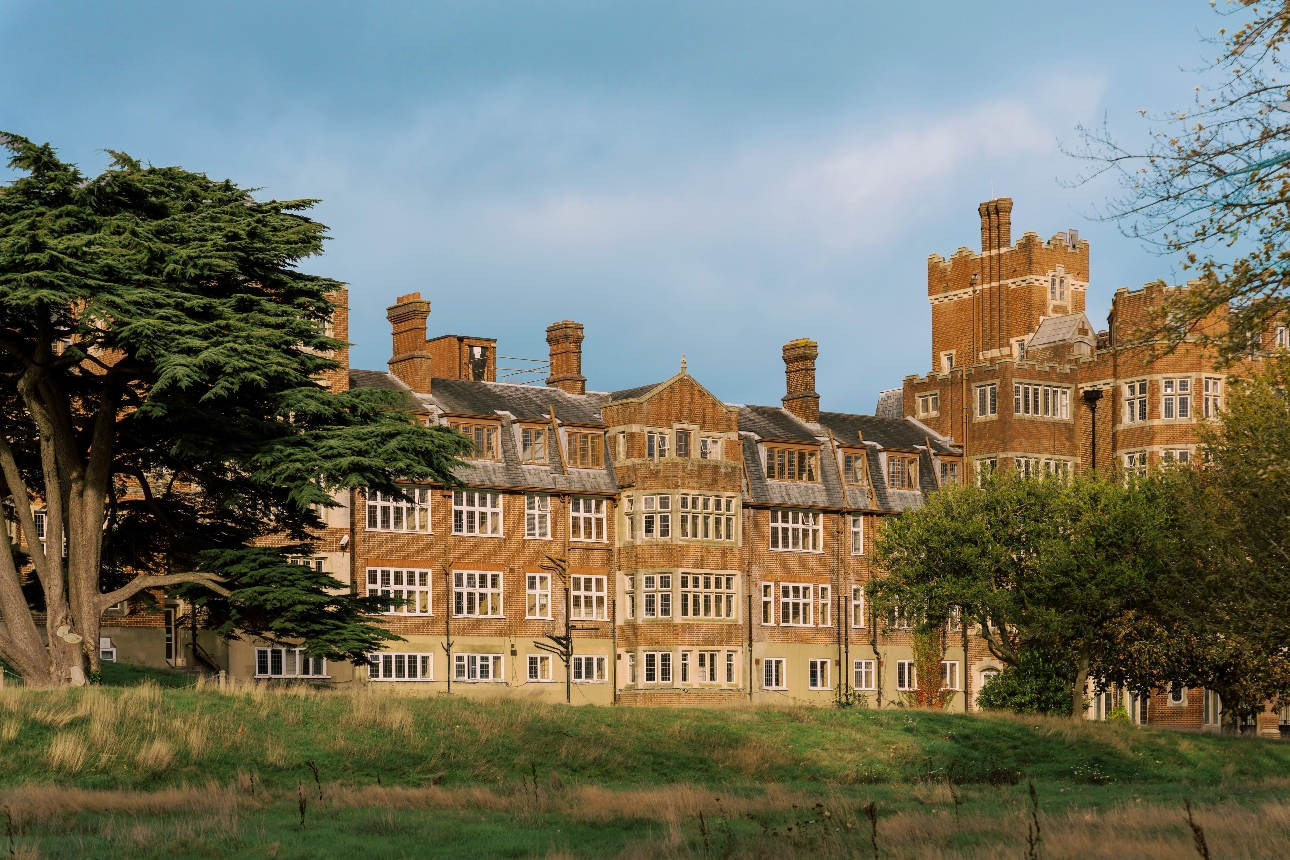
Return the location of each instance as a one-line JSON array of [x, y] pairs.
[[160, 357]]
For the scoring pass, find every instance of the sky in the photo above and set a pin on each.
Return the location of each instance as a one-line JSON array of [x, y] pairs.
[[711, 179]]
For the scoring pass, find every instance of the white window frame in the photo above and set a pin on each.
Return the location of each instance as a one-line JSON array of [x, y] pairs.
[[857, 606], [658, 667], [588, 600], [587, 520], [537, 516], [949, 674], [1036, 400], [289, 666], [796, 596], [929, 404], [384, 511], [862, 675], [774, 676], [537, 595], [1180, 692], [589, 669], [1175, 398], [793, 530], [1212, 386], [826, 606], [987, 400], [818, 674], [1181, 456], [857, 534], [1135, 401], [656, 595], [947, 361], [709, 448], [656, 444], [468, 668], [906, 676], [708, 596], [469, 586], [405, 666], [1135, 463], [477, 513], [414, 585], [107, 651], [768, 590], [656, 516], [539, 669], [707, 517]]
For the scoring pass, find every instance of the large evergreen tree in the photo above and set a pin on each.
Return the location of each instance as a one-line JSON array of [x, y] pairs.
[[159, 358]]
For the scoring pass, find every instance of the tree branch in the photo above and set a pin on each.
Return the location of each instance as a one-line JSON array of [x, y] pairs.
[[143, 582]]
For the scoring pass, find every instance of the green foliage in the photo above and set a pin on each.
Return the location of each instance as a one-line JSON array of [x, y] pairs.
[[1039, 684], [157, 334], [283, 602], [1036, 564]]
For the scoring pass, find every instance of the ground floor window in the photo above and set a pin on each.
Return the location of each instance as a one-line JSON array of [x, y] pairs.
[[589, 670], [107, 652], [400, 667], [773, 678], [1212, 708], [658, 667], [819, 674], [539, 667], [949, 675], [863, 679], [906, 676], [288, 663], [477, 667]]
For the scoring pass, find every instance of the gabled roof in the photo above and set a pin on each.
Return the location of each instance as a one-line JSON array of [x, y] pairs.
[[1062, 329], [633, 393]]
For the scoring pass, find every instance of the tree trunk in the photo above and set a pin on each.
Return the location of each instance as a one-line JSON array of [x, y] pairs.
[[1081, 684]]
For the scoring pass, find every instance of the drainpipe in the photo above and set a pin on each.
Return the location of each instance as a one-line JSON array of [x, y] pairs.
[[1091, 397]]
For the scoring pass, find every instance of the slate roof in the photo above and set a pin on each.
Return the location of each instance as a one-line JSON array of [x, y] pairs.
[[525, 403], [903, 433], [772, 422], [632, 393], [768, 423]]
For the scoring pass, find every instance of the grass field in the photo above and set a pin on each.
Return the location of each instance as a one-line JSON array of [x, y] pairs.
[[141, 772]]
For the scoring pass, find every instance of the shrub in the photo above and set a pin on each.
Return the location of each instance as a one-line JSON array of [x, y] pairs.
[[1039, 684]]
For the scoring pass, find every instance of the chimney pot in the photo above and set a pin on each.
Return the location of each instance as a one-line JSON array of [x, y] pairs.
[[799, 372], [565, 340], [410, 363]]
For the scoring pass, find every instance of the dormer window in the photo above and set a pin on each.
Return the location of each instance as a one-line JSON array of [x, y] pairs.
[[902, 472], [791, 464], [853, 469], [533, 445], [483, 435], [585, 451]]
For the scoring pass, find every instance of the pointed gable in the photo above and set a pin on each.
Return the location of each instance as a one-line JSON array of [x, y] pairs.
[[679, 399]]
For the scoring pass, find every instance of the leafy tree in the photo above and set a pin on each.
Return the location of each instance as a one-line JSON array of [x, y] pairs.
[[159, 395], [1044, 565], [1216, 177], [1039, 684]]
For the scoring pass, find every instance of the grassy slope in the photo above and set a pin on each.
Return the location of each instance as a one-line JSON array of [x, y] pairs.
[[145, 738]]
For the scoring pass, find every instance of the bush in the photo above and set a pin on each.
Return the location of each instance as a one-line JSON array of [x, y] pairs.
[[1039, 684]]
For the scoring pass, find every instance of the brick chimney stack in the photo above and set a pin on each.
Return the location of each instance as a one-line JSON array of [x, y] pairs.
[[799, 368], [996, 224], [411, 361], [565, 340]]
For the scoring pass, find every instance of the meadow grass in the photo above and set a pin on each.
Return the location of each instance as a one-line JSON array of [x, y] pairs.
[[139, 771]]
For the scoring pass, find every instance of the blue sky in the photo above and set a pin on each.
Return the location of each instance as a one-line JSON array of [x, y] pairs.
[[711, 178]]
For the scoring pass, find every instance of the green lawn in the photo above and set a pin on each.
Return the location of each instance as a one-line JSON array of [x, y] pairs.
[[455, 778]]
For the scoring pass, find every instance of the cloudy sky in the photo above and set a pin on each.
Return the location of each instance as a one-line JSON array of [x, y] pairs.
[[708, 178]]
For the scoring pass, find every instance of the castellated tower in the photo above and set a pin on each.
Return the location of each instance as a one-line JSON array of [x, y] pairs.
[[984, 304]]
